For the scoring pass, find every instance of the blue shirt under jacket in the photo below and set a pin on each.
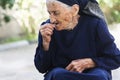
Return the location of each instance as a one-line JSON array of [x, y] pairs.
[[89, 39]]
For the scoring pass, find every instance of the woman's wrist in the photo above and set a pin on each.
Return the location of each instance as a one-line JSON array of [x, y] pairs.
[[90, 63], [45, 45]]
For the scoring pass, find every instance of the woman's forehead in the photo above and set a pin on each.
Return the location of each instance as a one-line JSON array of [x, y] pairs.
[[56, 3], [53, 5]]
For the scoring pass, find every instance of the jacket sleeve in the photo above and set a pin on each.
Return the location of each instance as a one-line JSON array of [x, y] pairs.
[[42, 59], [108, 55]]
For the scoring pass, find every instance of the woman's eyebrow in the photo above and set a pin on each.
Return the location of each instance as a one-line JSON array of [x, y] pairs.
[[53, 11]]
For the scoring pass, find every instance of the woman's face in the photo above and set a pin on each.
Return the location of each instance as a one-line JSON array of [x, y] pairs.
[[60, 14]]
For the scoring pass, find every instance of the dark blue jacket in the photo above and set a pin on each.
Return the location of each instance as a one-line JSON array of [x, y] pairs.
[[89, 39]]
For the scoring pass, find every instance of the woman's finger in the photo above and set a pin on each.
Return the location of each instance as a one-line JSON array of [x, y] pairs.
[[50, 26], [69, 67]]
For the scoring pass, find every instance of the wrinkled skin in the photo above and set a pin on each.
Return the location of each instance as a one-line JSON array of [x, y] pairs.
[[63, 16], [59, 16]]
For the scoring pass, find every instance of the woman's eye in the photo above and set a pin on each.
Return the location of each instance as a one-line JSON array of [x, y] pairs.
[[56, 13], [49, 13]]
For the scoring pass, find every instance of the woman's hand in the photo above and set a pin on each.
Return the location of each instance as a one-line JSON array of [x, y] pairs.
[[80, 65], [46, 31]]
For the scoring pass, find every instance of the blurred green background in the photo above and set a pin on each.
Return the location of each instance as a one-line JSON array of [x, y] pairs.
[[20, 19]]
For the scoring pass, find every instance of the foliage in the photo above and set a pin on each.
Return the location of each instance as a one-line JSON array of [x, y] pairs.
[[29, 14], [111, 9], [6, 18], [7, 3]]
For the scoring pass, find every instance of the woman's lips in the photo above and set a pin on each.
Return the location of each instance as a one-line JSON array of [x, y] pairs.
[[56, 24]]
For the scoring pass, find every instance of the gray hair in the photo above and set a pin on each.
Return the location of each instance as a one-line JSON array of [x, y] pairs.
[[53, 1]]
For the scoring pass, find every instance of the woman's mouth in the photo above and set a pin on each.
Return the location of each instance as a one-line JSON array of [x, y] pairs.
[[56, 24]]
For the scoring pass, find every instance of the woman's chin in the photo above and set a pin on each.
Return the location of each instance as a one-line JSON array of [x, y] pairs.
[[58, 28]]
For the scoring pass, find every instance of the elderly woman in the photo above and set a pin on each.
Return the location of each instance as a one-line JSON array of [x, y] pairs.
[[75, 44]]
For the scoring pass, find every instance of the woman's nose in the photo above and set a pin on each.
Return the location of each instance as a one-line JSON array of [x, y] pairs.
[[52, 19]]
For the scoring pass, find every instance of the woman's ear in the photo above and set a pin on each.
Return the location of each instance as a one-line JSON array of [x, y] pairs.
[[75, 9]]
